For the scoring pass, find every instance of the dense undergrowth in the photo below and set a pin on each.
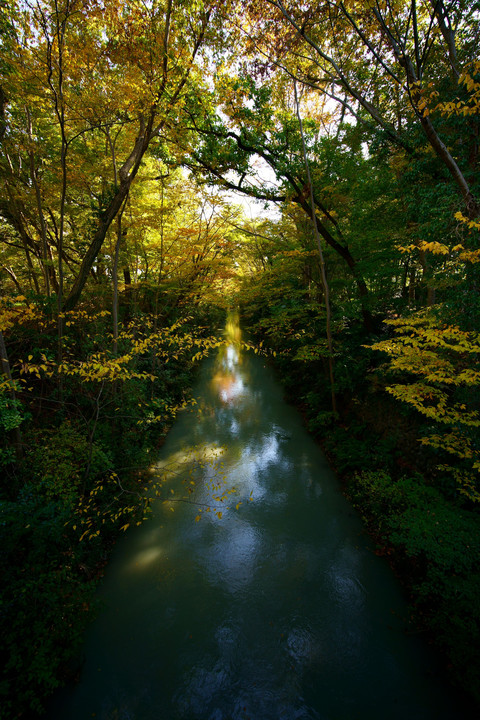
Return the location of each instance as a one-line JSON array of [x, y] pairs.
[[85, 430], [419, 514]]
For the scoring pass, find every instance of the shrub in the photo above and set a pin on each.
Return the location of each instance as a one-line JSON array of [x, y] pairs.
[[441, 544]]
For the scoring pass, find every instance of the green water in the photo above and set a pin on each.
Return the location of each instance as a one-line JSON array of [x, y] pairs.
[[277, 610]]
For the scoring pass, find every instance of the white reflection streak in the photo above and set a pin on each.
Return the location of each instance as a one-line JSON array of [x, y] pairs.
[[268, 451], [232, 358]]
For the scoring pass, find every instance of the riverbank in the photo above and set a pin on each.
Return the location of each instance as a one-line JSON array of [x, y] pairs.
[[79, 482], [430, 537]]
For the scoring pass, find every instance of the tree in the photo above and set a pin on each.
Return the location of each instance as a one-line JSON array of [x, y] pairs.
[[435, 370], [260, 125], [371, 49], [94, 68]]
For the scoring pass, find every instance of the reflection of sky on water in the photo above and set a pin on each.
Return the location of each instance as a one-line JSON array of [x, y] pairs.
[[232, 357], [234, 558], [258, 457]]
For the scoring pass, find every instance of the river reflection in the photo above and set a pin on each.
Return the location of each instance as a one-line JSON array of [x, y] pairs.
[[271, 606]]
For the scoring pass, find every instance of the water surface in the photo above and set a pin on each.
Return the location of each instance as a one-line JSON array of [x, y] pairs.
[[276, 610]]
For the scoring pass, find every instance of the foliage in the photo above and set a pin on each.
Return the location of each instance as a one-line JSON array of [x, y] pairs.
[[437, 365], [60, 457], [45, 590], [440, 543], [80, 479]]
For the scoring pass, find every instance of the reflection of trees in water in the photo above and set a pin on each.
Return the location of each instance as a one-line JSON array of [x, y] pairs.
[[228, 385], [227, 381], [225, 386], [233, 333]]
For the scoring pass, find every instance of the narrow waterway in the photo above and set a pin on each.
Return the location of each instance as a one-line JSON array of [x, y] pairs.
[[276, 610]]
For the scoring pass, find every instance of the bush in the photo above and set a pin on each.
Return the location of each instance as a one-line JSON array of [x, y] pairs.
[[61, 459], [441, 545], [42, 599]]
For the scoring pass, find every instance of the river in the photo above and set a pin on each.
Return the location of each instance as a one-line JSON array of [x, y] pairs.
[[276, 610]]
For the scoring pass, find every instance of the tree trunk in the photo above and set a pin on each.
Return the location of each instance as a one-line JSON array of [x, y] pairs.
[[127, 174], [5, 368], [326, 288], [115, 280]]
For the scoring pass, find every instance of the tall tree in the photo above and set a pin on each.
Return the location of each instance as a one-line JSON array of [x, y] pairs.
[[87, 68], [257, 124], [364, 54]]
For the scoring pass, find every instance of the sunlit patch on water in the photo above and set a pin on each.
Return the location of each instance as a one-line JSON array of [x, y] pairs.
[[204, 452], [146, 557]]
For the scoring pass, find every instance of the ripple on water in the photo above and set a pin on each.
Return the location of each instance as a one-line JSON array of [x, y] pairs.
[[232, 560], [226, 637], [303, 646], [200, 690]]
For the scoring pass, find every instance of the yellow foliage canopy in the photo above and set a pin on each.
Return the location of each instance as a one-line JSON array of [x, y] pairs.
[[444, 360]]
